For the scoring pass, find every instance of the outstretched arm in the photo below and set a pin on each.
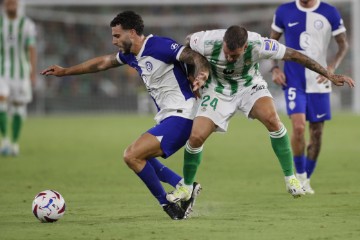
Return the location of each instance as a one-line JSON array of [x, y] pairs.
[[338, 80], [202, 66], [93, 65]]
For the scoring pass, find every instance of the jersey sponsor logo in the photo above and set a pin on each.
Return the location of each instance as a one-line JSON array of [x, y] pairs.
[[257, 88], [228, 71], [320, 115], [318, 24], [149, 66], [174, 46], [293, 24], [271, 45]]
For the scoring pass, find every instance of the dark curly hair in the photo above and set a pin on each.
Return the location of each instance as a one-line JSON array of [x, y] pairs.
[[129, 20], [235, 37]]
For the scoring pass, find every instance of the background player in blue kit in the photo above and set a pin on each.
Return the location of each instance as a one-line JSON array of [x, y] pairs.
[[308, 26], [160, 63]]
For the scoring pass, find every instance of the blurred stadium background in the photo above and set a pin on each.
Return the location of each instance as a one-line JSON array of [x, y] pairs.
[[70, 32]]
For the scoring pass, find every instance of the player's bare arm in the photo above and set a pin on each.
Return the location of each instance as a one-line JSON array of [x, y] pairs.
[[278, 75], [33, 63], [338, 80], [202, 66], [343, 47], [91, 66]]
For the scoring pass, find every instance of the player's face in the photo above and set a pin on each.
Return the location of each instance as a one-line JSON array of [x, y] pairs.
[[121, 39], [233, 56], [11, 6]]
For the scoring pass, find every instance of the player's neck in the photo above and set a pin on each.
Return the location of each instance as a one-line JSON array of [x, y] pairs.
[[11, 15], [308, 4], [137, 45]]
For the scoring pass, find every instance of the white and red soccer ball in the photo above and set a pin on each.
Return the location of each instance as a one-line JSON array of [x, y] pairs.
[[48, 206]]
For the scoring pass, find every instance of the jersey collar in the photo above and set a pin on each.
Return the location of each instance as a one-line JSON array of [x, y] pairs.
[[307, 9], [143, 46]]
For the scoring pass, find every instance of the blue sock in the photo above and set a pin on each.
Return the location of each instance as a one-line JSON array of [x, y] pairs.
[[310, 166], [300, 163], [164, 173], [151, 180]]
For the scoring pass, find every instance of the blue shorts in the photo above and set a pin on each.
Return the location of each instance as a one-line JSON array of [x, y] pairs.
[[316, 106], [173, 132]]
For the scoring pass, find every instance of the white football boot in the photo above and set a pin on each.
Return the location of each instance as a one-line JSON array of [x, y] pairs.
[[181, 193], [294, 187], [305, 182], [5, 147]]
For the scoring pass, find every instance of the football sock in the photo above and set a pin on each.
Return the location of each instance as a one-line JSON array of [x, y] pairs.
[[281, 146], [300, 163], [3, 123], [151, 180], [164, 173], [192, 160], [310, 166], [16, 127]]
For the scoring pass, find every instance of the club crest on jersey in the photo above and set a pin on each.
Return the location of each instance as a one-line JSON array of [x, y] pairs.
[[271, 45], [318, 24], [228, 71], [149, 66], [174, 46]]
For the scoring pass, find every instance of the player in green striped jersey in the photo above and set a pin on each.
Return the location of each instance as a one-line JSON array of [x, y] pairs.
[[17, 72], [236, 84]]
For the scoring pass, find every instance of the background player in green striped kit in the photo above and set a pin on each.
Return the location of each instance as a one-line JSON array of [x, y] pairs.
[[17, 72], [236, 84]]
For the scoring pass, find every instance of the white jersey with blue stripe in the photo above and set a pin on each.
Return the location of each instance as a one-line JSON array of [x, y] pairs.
[[164, 76], [309, 31]]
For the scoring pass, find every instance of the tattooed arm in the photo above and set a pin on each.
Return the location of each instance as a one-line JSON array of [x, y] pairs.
[[202, 66], [91, 66], [293, 55]]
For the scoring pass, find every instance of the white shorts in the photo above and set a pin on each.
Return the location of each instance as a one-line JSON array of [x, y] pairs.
[[220, 108], [18, 91]]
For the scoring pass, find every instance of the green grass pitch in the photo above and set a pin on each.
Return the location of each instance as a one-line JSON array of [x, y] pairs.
[[243, 193]]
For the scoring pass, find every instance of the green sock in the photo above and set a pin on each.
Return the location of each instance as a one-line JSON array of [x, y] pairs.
[[16, 127], [192, 160], [281, 146], [3, 123]]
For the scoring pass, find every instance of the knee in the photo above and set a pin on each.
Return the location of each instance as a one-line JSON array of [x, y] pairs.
[[129, 157], [299, 130], [196, 140], [272, 122], [316, 134]]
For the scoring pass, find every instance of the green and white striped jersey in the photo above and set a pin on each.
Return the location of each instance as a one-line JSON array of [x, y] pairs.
[[227, 78], [16, 35]]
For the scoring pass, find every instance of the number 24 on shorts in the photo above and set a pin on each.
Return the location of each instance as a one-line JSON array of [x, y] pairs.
[[213, 102]]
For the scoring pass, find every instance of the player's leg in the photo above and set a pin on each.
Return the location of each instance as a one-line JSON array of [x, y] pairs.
[[135, 156], [213, 115], [18, 114], [317, 113], [264, 111], [4, 94], [164, 173]]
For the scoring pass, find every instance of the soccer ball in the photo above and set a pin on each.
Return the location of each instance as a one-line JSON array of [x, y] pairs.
[[48, 206]]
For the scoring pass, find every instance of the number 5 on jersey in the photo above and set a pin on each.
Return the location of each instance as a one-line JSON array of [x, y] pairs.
[[213, 102]]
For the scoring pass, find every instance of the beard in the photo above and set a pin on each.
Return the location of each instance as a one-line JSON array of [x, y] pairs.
[[127, 47]]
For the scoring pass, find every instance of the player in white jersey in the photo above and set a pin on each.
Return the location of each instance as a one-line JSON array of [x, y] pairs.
[[17, 72], [308, 26], [160, 63], [235, 84]]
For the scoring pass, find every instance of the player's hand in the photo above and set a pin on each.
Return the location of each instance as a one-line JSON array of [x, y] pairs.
[[340, 80], [54, 70], [322, 79], [278, 76], [199, 81]]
